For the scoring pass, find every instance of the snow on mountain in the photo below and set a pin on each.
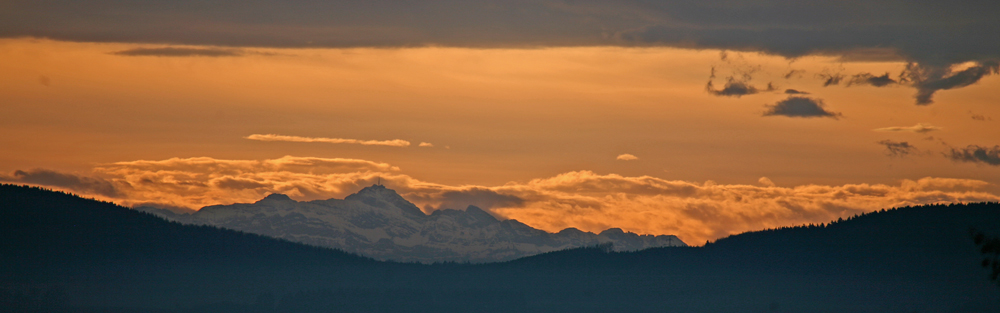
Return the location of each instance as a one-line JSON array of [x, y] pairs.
[[379, 223]]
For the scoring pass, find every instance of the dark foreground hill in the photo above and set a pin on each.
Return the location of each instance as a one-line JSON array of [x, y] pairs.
[[62, 253]]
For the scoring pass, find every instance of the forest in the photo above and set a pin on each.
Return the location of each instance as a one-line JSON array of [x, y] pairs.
[[63, 253]]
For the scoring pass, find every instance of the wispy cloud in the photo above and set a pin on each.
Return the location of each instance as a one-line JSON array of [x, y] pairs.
[[735, 87], [794, 74], [796, 106], [830, 78], [626, 157], [181, 52], [976, 154], [425, 144], [897, 148], [920, 128], [930, 79], [273, 137], [871, 80]]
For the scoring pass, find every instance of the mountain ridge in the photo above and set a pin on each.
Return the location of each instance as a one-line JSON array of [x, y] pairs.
[[378, 222]]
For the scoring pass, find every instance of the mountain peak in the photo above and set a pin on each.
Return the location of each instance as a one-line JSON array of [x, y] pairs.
[[377, 192], [480, 214], [276, 197], [376, 195], [612, 231]]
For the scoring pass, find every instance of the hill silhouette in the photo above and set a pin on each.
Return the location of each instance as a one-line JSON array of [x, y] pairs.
[[59, 252]]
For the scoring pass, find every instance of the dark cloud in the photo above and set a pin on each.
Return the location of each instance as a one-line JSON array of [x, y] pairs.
[[932, 34], [830, 78], [480, 197], [871, 55], [82, 184], [44, 80], [738, 83], [794, 73], [980, 117], [871, 80], [897, 148], [929, 79], [796, 106], [924, 31], [976, 154], [733, 88], [180, 52], [795, 92]]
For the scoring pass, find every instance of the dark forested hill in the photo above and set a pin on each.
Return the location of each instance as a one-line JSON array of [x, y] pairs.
[[59, 252]]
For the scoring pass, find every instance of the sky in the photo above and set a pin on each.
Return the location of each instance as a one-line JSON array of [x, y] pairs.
[[694, 119]]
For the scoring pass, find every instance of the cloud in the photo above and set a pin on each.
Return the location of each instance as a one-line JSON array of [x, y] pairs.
[[920, 128], [976, 154], [795, 92], [626, 157], [871, 80], [181, 52], [766, 182], [929, 79], [202, 181], [794, 73], [926, 78], [980, 117], [72, 182], [796, 106], [425, 144], [830, 78], [273, 137], [478, 196], [44, 80], [897, 149], [698, 212], [735, 87], [583, 199], [925, 31]]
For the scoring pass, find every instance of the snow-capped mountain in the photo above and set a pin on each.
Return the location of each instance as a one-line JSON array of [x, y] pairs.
[[379, 223]]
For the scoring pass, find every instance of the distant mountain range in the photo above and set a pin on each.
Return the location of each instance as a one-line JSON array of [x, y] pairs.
[[63, 253], [377, 222]]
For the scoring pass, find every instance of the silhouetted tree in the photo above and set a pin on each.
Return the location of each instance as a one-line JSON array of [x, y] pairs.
[[990, 247]]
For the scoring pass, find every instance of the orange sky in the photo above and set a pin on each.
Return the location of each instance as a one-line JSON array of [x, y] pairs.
[[543, 126]]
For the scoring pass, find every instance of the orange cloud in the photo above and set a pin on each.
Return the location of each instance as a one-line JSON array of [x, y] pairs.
[[698, 212], [626, 157], [695, 212], [273, 137], [920, 128]]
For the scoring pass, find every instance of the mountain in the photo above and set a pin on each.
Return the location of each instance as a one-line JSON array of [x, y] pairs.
[[377, 222], [62, 253]]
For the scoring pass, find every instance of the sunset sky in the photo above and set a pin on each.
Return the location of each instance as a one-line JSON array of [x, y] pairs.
[[681, 117]]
